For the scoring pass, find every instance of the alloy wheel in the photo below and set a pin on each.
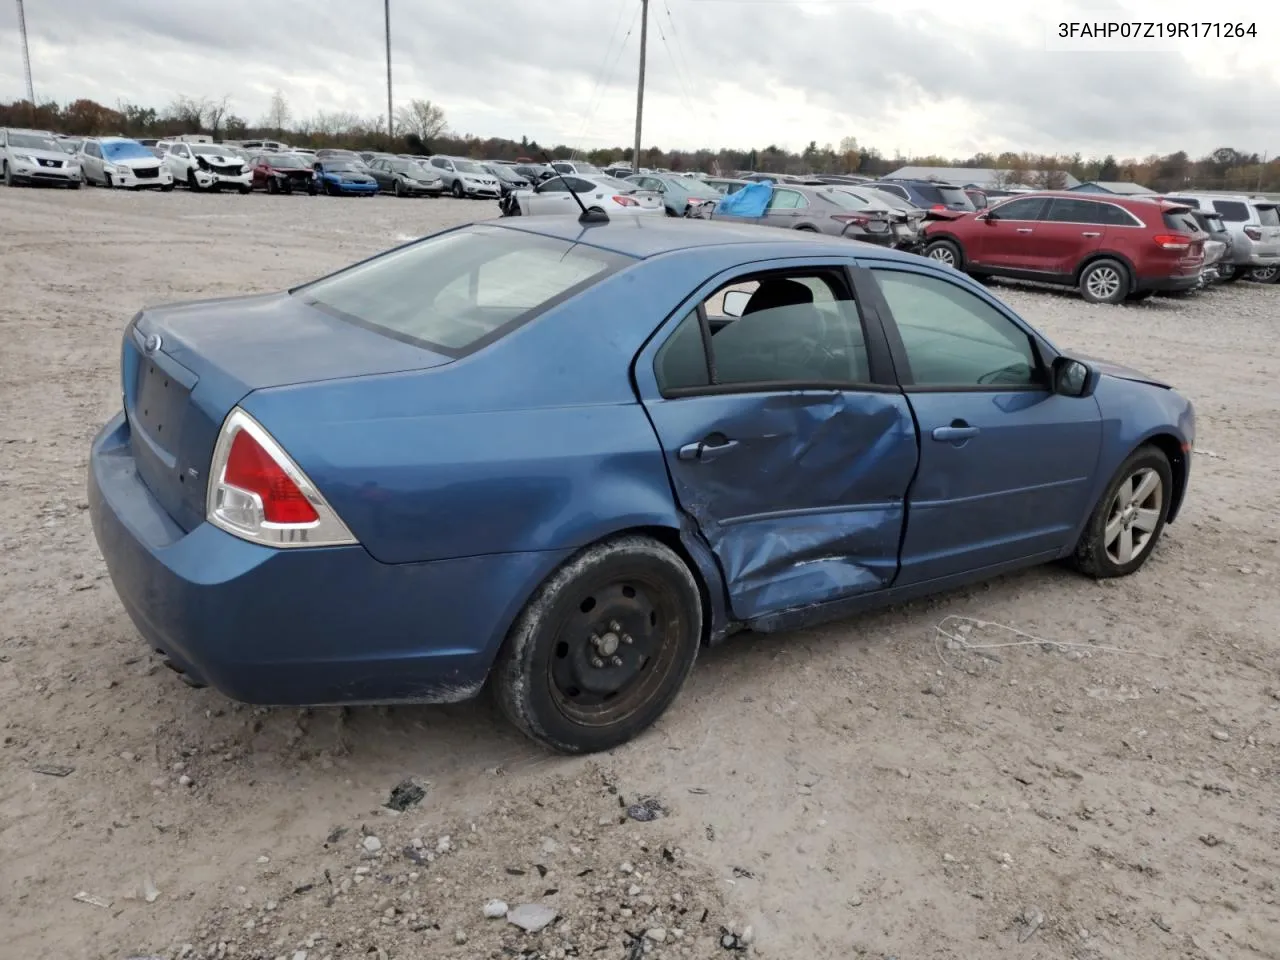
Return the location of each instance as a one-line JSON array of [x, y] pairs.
[[1104, 283], [943, 254], [1134, 515], [1263, 274]]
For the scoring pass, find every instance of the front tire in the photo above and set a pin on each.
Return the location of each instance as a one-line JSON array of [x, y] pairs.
[[457, 189], [1104, 281], [1127, 522], [602, 648], [945, 251], [8, 176], [191, 182], [167, 188], [399, 190]]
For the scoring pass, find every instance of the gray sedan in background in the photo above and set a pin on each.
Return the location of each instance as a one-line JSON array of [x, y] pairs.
[[821, 210], [677, 192]]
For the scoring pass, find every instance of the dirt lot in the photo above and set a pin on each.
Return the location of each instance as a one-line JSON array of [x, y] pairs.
[[859, 790]]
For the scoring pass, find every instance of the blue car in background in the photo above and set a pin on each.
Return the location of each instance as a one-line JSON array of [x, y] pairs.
[[338, 177], [559, 458]]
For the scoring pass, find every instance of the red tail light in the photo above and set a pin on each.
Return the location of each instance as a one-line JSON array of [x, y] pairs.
[[256, 491], [854, 218], [1172, 241], [251, 468], [938, 206], [626, 201], [1253, 233]]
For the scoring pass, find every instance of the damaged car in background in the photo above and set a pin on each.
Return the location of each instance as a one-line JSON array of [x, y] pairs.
[[208, 167], [124, 163], [280, 172], [430, 472]]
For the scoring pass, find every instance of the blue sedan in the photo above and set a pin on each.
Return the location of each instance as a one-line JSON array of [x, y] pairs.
[[341, 177], [559, 458]]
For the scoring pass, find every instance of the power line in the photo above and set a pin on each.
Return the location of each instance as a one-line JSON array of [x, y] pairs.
[[675, 68], [603, 84]]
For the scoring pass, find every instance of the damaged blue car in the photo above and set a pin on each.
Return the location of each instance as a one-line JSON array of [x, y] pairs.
[[556, 458]]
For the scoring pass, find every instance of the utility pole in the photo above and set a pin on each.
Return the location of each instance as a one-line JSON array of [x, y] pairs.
[[644, 36], [26, 60], [1261, 169], [391, 126]]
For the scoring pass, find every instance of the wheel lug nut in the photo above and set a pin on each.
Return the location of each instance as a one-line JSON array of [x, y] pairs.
[[626, 638], [614, 626], [597, 662], [617, 661]]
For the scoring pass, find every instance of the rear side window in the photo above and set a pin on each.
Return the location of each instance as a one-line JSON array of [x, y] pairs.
[[1233, 211], [461, 290], [1065, 210], [1268, 216]]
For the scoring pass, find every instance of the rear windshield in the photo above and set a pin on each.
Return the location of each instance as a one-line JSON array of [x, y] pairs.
[[1181, 220], [1233, 211], [956, 198], [1268, 216], [460, 290]]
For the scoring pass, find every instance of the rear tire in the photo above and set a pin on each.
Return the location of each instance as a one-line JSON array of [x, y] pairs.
[[945, 251], [602, 648], [1235, 275], [273, 186], [1264, 274], [1127, 521], [1104, 281]]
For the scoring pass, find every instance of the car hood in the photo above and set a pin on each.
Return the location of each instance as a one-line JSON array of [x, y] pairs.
[[222, 158], [40, 154], [134, 162], [1121, 372]]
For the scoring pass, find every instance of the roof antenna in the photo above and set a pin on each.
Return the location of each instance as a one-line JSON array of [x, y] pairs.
[[587, 216]]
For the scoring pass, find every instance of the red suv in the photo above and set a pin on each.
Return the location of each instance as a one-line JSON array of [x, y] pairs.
[[1111, 248]]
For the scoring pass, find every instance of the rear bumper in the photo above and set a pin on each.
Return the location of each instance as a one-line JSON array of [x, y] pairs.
[[1168, 284], [322, 626]]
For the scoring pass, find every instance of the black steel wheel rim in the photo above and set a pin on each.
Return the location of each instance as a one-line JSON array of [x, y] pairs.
[[614, 648]]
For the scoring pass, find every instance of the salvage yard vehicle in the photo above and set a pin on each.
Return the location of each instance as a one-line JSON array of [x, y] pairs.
[[278, 172], [466, 178], [34, 156], [677, 192], [120, 162], [1254, 226], [557, 196], [340, 177], [1111, 248], [823, 209], [207, 166], [430, 470], [405, 178]]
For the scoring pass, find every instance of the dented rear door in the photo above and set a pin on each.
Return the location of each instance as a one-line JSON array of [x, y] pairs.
[[798, 491]]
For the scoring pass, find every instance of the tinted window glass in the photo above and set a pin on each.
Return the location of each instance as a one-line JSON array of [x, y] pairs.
[[1114, 216], [452, 290], [1233, 211], [1181, 220], [1268, 216], [682, 361], [953, 338], [1025, 208], [894, 189], [1074, 211], [556, 185]]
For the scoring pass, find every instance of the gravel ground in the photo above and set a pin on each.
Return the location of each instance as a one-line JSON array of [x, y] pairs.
[[858, 790]]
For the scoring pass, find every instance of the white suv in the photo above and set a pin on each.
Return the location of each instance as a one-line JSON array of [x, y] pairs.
[[33, 156], [207, 166]]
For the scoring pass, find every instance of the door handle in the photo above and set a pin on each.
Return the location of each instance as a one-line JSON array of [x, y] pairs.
[[959, 430], [1091, 233], [1024, 229], [704, 452]]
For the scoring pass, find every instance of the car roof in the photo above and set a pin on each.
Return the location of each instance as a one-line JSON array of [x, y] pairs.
[[1119, 200], [643, 237]]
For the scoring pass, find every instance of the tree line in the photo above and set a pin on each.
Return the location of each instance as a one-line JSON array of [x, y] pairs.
[[420, 127]]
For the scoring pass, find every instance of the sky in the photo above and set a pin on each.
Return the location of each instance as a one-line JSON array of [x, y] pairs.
[[911, 76]]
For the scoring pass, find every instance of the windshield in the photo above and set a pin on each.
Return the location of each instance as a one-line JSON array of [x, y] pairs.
[[622, 186], [891, 200], [125, 150], [210, 149], [34, 141], [451, 291], [1269, 217], [340, 166], [286, 160], [466, 166], [590, 169]]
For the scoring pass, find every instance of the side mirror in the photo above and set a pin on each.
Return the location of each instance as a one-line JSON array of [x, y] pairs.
[[1073, 378], [735, 303]]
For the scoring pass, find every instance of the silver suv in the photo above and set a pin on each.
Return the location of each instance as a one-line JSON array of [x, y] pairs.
[[34, 156], [466, 178], [1254, 226]]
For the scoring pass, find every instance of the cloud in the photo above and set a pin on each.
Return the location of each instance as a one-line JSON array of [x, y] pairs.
[[908, 75]]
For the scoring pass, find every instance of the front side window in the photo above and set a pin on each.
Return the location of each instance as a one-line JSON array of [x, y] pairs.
[[452, 291], [1024, 208], [954, 339], [801, 328]]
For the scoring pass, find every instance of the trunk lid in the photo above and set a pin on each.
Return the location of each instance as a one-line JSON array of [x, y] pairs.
[[184, 367]]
